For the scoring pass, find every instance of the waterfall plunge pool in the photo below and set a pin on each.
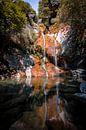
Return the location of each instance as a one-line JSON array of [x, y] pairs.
[[57, 103]]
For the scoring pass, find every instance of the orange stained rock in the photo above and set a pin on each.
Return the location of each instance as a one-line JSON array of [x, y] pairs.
[[50, 45], [38, 71], [37, 60]]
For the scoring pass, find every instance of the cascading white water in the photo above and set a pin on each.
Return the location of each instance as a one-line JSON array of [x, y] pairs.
[[44, 43], [28, 72], [55, 51], [44, 54], [55, 45], [55, 55]]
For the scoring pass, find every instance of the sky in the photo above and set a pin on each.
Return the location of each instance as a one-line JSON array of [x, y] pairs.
[[34, 4]]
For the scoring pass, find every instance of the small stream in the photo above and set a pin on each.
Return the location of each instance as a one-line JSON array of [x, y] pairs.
[[57, 103]]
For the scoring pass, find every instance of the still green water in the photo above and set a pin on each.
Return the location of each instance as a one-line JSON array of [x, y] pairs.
[[57, 103]]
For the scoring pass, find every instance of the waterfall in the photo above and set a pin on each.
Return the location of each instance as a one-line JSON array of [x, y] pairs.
[[44, 43], [55, 45], [28, 72], [55, 51], [55, 57], [44, 54]]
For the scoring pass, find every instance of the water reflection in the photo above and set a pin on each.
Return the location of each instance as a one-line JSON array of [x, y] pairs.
[[57, 97], [45, 97], [43, 104]]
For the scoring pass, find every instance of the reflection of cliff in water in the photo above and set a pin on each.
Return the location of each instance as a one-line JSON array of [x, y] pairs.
[[17, 97], [72, 116], [74, 113], [43, 104]]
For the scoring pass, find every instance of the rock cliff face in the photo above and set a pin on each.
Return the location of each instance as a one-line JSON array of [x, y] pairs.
[[14, 60], [72, 50], [59, 49], [17, 35], [24, 38]]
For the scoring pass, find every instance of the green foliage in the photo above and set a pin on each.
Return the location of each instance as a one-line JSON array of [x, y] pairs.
[[15, 18], [72, 12], [47, 9], [26, 8], [12, 19]]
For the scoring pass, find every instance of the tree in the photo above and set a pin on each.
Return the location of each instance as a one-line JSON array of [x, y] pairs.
[[48, 10], [28, 10], [12, 19], [72, 12]]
